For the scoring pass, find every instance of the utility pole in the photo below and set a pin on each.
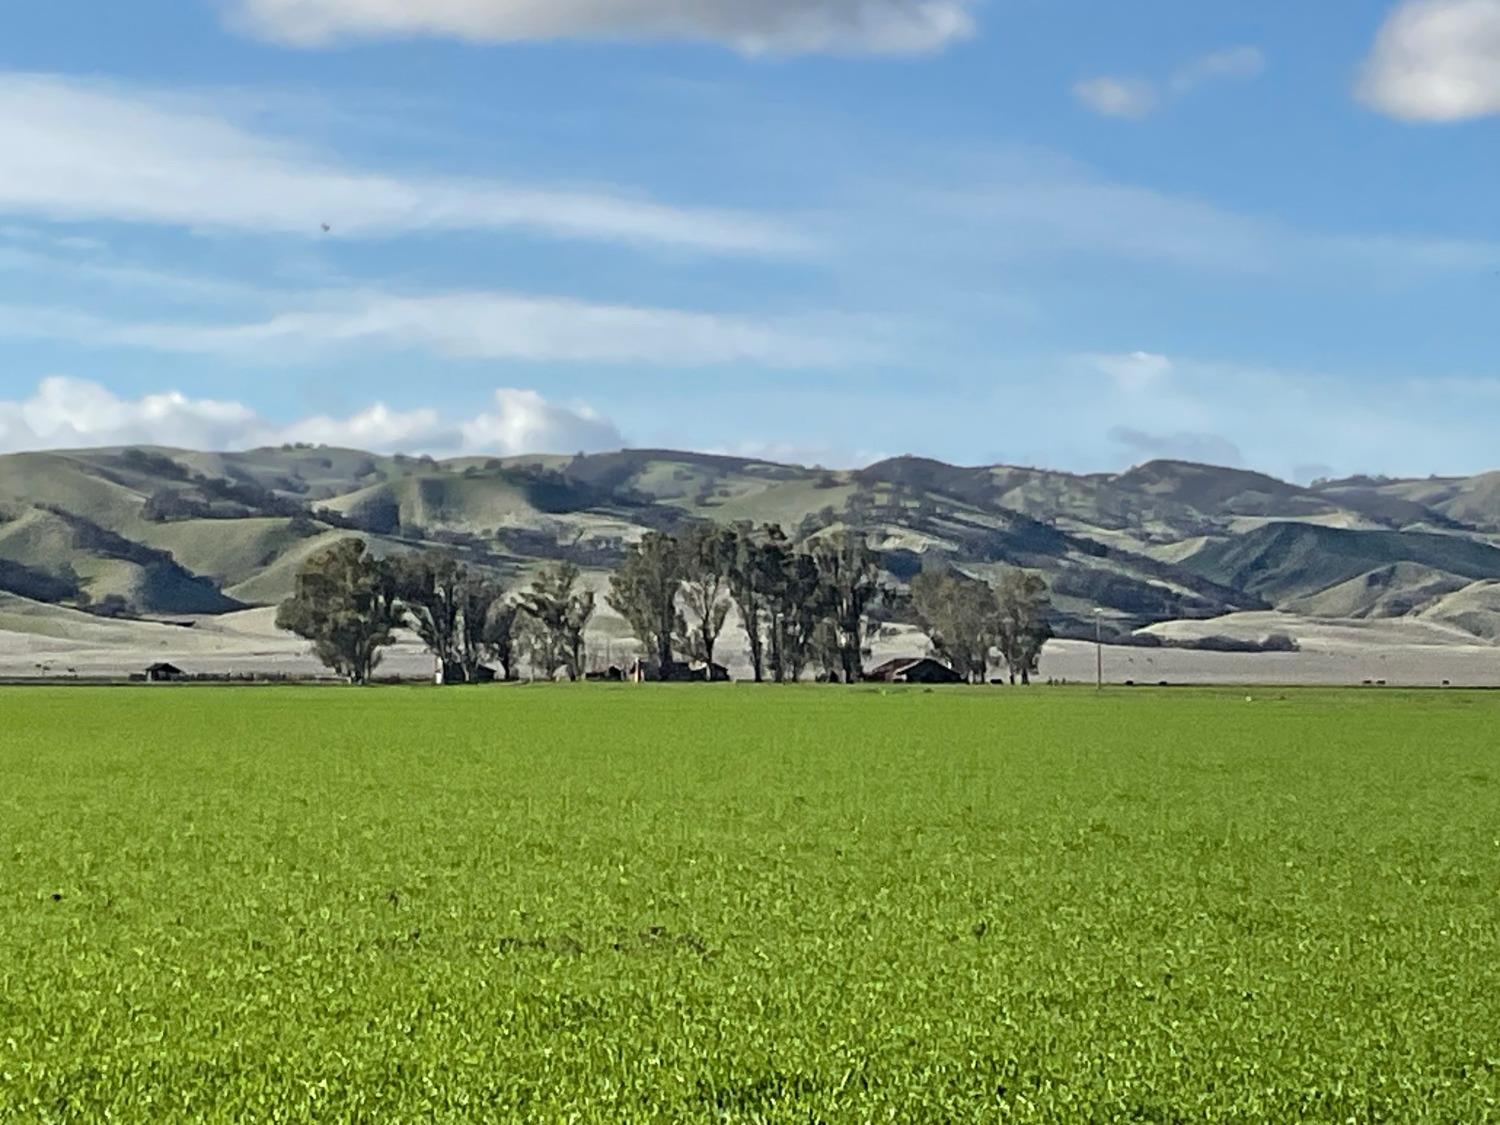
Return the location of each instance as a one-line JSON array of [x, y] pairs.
[[1098, 648]]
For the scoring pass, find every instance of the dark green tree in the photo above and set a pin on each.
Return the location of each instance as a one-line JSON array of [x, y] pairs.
[[961, 617], [346, 604], [644, 592], [754, 572], [794, 606], [429, 586], [559, 613], [707, 557], [501, 634], [448, 606], [1025, 625], [850, 579], [480, 601]]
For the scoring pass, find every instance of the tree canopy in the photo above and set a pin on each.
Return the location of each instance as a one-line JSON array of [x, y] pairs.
[[644, 590], [346, 604]]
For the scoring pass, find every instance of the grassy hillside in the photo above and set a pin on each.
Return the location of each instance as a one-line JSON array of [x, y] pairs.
[[71, 485], [270, 584], [1284, 561], [1474, 609], [103, 565], [173, 531], [1389, 591]]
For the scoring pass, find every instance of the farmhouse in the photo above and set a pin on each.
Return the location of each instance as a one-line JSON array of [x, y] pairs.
[[677, 672], [455, 674], [914, 670], [164, 674]]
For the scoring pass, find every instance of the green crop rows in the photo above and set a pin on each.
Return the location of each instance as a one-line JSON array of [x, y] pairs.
[[646, 903]]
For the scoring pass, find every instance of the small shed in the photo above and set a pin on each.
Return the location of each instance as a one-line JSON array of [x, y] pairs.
[[164, 674], [914, 670]]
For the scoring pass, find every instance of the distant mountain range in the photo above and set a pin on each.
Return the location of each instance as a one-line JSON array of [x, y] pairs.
[[151, 531]]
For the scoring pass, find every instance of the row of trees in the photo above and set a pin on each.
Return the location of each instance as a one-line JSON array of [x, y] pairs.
[[349, 605], [970, 623], [799, 608]]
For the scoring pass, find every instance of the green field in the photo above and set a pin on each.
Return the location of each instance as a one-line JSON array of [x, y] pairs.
[[643, 903]]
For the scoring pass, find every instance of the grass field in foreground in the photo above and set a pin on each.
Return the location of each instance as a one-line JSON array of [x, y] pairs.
[[643, 903]]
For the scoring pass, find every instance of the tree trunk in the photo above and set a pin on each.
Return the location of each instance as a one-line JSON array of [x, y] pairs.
[[751, 622], [852, 669]]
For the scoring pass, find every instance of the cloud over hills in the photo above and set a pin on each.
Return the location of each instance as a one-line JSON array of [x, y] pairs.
[[67, 413]]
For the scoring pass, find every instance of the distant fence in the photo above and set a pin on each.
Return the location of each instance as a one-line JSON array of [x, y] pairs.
[[228, 678], [54, 679]]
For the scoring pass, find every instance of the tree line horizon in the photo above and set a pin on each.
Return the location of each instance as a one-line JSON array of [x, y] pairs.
[[801, 607]]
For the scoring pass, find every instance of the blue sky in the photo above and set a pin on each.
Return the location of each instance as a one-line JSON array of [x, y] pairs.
[[1071, 234]]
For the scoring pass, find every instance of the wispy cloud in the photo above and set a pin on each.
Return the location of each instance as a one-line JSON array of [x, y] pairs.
[[1034, 204], [1436, 60], [64, 413], [86, 151], [751, 26], [472, 325], [1133, 371], [1234, 64], [1131, 98], [34, 253], [1136, 98]]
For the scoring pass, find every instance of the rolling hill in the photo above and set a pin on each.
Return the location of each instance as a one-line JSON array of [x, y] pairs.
[[1286, 561], [156, 532]]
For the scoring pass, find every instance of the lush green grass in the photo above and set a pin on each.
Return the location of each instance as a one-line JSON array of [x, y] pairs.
[[794, 905]]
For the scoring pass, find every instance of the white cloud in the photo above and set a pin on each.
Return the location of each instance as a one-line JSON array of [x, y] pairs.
[[1131, 98], [80, 151], [478, 325], [1135, 371], [1135, 99], [1436, 60], [751, 26], [376, 427], [65, 413], [524, 422], [1236, 63]]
